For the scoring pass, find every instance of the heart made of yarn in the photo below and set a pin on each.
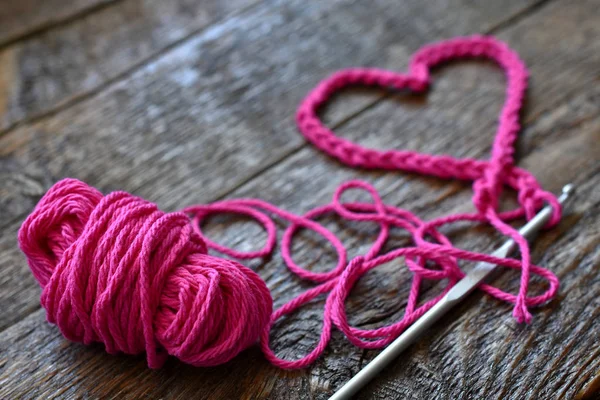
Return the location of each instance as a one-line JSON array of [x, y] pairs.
[[484, 174]]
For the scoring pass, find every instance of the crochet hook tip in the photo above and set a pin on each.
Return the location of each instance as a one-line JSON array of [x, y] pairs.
[[568, 189], [567, 194]]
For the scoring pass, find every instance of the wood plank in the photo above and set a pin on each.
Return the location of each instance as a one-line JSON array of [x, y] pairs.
[[206, 115], [63, 65], [27, 17], [477, 351], [426, 372]]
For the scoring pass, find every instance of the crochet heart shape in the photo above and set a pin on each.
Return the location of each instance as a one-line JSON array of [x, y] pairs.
[[488, 175]]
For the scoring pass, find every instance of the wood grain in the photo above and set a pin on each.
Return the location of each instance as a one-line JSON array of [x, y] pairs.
[[278, 53], [28, 17], [219, 105], [63, 65]]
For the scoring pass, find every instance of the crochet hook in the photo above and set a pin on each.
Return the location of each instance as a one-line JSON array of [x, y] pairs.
[[464, 287]]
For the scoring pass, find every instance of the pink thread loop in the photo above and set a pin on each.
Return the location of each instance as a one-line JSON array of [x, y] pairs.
[[337, 283], [117, 270], [200, 212]]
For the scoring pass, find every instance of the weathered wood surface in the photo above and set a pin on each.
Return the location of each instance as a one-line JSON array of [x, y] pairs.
[[50, 71], [213, 117], [19, 19]]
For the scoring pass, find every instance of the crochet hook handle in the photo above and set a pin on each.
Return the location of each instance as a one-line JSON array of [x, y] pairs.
[[453, 297]]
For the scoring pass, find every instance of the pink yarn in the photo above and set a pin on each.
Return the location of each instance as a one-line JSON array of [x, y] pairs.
[[117, 270]]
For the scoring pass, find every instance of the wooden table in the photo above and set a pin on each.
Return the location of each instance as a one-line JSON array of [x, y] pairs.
[[185, 102]]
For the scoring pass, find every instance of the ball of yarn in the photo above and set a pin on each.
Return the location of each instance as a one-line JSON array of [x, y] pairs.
[[115, 269]]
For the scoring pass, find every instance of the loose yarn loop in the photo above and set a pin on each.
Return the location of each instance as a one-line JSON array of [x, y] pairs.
[[115, 269]]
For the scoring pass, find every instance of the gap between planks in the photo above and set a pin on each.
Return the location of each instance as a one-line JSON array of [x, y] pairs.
[[50, 25], [129, 71]]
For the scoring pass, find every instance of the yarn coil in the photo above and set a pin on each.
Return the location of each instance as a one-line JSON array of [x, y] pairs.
[[115, 269]]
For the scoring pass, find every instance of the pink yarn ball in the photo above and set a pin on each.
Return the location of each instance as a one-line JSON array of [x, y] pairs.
[[115, 269]]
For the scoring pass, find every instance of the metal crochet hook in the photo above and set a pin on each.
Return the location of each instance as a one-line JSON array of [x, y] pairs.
[[458, 292]]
